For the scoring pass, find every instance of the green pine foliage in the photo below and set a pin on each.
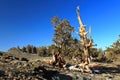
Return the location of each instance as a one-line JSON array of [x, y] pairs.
[[113, 50], [62, 35], [68, 45]]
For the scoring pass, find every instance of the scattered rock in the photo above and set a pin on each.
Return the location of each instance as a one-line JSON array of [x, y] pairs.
[[15, 68], [2, 73], [96, 72], [24, 59], [26, 65], [1, 54]]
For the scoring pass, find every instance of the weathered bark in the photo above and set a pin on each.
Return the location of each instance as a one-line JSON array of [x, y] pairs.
[[86, 45], [58, 59]]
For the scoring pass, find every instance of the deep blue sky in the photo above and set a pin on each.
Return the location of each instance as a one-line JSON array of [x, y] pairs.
[[24, 22]]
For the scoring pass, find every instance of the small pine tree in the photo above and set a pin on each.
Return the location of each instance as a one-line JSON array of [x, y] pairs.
[[42, 51], [100, 55], [62, 36], [18, 48], [34, 50], [24, 49], [29, 49]]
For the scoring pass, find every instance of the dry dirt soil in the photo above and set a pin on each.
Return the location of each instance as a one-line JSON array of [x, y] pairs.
[[22, 66]]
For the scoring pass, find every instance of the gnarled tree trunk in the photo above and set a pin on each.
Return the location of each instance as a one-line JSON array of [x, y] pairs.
[[86, 43]]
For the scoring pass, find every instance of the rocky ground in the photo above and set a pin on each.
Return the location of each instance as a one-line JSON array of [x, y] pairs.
[[31, 67]]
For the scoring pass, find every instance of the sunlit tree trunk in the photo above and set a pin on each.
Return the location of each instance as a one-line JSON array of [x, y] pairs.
[[86, 43]]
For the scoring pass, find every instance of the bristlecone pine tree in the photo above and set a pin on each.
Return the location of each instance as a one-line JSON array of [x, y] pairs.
[[113, 50], [62, 36]]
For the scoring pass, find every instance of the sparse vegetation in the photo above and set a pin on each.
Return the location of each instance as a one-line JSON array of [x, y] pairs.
[[17, 60], [62, 35], [72, 54], [68, 46]]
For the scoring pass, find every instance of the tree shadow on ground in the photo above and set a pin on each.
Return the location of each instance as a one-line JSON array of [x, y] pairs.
[[107, 69], [52, 74], [2, 73]]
